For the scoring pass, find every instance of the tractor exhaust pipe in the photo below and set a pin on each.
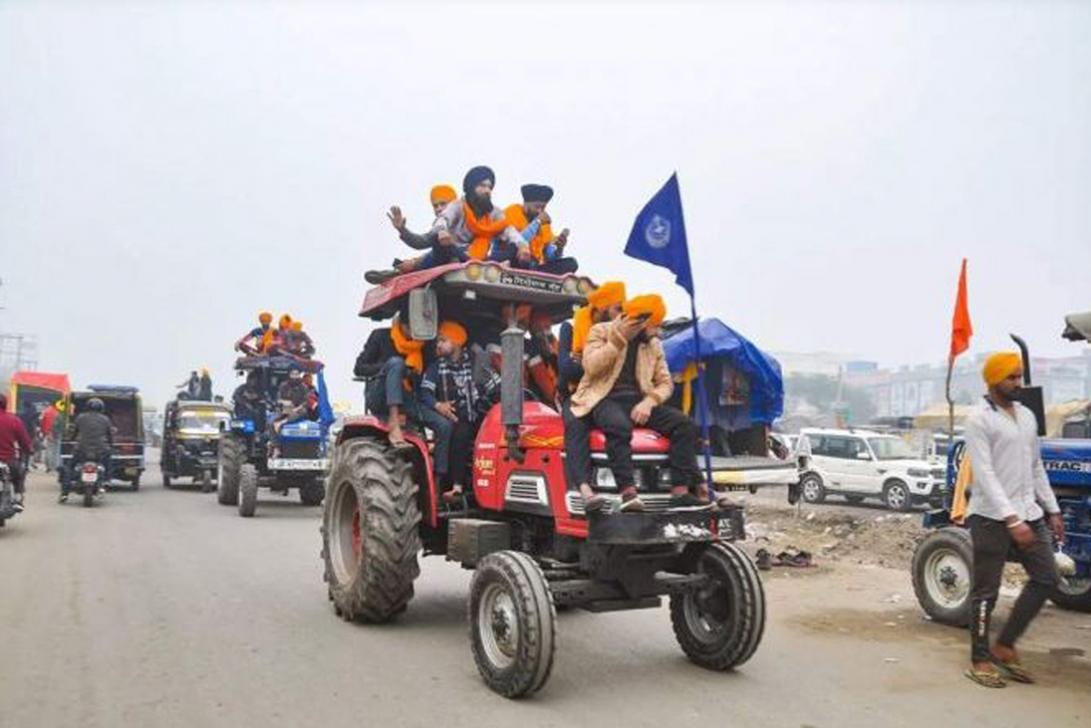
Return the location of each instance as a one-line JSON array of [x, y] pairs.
[[512, 342], [1024, 352]]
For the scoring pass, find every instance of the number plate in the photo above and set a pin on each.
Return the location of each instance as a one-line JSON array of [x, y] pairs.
[[89, 477], [725, 528], [296, 464]]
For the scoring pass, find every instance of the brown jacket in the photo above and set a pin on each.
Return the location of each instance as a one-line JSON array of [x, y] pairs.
[[603, 359]]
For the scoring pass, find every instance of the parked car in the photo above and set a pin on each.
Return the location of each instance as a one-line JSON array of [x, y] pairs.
[[859, 464]]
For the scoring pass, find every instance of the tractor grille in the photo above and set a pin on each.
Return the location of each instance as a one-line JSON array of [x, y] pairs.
[[299, 449], [527, 489], [653, 502]]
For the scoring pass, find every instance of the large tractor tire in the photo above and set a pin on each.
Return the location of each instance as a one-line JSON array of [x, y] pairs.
[[228, 467], [512, 623], [312, 492], [370, 536], [248, 490], [1074, 594], [943, 575], [721, 625]]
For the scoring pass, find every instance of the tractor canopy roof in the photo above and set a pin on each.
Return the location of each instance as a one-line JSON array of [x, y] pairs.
[[478, 288]]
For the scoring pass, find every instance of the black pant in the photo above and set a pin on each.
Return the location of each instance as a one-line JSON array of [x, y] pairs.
[[461, 454], [993, 545], [18, 475], [612, 415], [577, 447]]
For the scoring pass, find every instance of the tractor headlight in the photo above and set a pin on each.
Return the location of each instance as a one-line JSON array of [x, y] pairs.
[[492, 273], [585, 286], [570, 285], [473, 271]]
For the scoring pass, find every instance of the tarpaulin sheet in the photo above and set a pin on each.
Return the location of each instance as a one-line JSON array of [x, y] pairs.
[[722, 344]]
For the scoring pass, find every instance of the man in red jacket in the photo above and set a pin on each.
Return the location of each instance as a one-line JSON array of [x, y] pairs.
[[15, 449]]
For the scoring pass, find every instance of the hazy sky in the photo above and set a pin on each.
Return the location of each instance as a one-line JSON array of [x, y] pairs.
[[169, 169]]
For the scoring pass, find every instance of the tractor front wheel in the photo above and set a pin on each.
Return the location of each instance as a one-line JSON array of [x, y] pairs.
[[512, 623], [228, 466], [248, 490], [942, 575], [720, 625]]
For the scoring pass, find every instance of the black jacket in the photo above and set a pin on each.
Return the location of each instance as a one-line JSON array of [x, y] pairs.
[[378, 349]]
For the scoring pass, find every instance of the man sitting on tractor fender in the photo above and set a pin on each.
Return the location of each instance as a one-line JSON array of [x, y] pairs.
[[625, 383], [448, 388], [391, 363], [604, 304]]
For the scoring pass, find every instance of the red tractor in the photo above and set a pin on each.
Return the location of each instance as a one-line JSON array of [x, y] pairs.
[[525, 532]]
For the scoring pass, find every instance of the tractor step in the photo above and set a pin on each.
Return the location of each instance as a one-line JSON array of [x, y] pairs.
[[618, 605]]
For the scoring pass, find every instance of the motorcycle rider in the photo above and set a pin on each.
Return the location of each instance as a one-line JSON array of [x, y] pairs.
[[15, 448], [94, 434]]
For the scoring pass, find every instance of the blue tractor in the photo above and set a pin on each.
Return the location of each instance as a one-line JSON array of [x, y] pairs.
[[252, 457], [942, 562]]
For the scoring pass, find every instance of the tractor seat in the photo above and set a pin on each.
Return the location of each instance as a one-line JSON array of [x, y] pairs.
[[644, 441]]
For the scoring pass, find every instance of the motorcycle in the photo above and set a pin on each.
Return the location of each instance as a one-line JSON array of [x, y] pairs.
[[90, 481], [7, 495]]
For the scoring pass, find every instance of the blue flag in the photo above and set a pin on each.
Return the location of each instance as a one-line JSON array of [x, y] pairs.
[[659, 234], [325, 411]]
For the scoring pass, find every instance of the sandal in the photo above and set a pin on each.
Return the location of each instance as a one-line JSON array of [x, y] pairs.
[[764, 559], [1014, 671], [986, 678], [453, 495]]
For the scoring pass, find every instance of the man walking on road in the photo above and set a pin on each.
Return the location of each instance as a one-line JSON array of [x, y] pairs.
[[15, 449], [1006, 516]]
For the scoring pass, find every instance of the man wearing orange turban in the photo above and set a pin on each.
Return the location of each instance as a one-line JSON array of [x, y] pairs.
[[251, 342], [449, 391], [1013, 511], [603, 304], [626, 383]]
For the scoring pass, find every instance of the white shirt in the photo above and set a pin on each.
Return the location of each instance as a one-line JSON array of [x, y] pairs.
[[1006, 457]]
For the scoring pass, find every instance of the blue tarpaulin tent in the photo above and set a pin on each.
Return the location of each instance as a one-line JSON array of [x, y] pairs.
[[721, 345]]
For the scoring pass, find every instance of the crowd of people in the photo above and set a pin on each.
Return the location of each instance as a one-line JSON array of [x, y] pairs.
[[287, 339], [471, 227], [605, 370]]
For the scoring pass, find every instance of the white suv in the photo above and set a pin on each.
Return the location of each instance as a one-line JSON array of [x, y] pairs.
[[859, 464]]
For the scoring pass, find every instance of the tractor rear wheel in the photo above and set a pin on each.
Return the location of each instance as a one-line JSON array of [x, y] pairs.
[[512, 623], [942, 575], [228, 466], [720, 625], [248, 490], [370, 536]]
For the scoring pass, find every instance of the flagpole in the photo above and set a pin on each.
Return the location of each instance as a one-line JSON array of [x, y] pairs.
[[950, 406], [702, 398]]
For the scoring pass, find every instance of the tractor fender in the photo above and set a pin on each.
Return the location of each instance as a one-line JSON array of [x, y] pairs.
[[419, 456]]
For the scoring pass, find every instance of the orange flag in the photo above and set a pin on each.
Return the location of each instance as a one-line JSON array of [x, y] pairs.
[[961, 328]]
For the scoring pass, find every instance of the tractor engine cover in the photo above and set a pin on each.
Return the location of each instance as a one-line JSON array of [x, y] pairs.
[[471, 539]]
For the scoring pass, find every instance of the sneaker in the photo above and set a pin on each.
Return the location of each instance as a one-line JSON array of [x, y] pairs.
[[62, 498], [17, 506], [377, 277]]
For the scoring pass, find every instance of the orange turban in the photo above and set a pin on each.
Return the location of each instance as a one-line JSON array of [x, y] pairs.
[[650, 305], [285, 321], [1000, 366], [443, 193], [453, 332], [297, 326], [608, 294], [265, 318]]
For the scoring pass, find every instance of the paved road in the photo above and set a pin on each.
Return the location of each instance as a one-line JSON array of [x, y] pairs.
[[162, 608]]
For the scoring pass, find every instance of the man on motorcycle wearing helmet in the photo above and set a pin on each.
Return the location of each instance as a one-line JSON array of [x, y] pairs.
[[94, 434]]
